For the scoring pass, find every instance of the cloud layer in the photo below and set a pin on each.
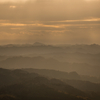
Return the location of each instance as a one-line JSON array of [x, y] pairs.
[[50, 21]]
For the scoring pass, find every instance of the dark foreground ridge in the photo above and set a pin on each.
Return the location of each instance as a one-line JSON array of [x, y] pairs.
[[22, 85]]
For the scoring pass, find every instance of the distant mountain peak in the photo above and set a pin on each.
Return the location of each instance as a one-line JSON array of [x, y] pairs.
[[38, 43]]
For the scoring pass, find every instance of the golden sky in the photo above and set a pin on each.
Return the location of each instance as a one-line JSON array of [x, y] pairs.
[[50, 21]]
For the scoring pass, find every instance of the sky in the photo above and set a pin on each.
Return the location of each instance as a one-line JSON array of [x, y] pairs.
[[50, 21]]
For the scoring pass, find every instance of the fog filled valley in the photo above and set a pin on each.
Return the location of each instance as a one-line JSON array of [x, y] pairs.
[[83, 59], [54, 72]]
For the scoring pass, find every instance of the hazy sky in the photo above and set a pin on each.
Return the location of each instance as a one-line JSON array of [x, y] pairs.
[[50, 21]]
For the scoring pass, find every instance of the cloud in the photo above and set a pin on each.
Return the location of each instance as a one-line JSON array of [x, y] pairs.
[[50, 10], [56, 21]]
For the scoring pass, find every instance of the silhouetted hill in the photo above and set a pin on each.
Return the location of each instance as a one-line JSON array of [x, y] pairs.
[[38, 44], [37, 92], [28, 86], [84, 85], [84, 59], [50, 63], [33, 62], [63, 75], [9, 77]]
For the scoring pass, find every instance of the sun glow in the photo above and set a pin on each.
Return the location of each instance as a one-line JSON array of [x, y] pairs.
[[12, 6]]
